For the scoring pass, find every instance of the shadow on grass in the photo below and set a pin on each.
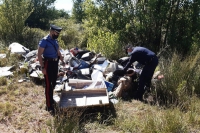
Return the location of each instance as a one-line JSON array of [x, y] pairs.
[[74, 119]]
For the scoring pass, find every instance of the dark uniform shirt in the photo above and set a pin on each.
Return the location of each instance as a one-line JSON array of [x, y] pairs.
[[141, 55], [49, 47]]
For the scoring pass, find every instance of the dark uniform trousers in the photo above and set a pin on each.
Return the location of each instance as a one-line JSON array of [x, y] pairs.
[[146, 76], [50, 81]]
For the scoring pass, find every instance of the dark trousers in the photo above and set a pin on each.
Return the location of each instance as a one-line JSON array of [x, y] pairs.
[[145, 77], [50, 81]]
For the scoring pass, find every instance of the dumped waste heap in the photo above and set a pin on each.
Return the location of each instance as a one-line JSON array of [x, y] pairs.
[[85, 79]]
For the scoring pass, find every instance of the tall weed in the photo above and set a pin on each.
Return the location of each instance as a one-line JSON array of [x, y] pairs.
[[3, 81], [66, 121], [7, 108], [181, 79], [145, 119]]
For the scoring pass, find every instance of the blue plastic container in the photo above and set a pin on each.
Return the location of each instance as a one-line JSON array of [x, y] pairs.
[[83, 64], [109, 85]]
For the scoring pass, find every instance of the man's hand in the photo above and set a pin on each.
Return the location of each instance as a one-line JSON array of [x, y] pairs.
[[44, 71]]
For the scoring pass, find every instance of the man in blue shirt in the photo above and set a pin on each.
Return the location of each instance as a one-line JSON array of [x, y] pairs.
[[48, 56], [147, 58]]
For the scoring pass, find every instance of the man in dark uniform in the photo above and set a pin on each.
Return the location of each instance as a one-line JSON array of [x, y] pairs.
[[147, 58], [48, 56]]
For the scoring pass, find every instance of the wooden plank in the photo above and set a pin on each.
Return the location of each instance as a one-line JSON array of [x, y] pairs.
[[87, 99]]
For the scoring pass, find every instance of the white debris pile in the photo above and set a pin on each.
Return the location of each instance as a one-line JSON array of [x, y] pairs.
[[79, 64]]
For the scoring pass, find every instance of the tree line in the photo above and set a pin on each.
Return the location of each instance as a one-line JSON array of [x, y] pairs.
[[107, 25]]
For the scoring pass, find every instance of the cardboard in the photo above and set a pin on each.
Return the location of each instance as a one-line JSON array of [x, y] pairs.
[[84, 93]]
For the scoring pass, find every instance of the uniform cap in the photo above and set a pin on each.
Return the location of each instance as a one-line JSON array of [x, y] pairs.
[[56, 28]]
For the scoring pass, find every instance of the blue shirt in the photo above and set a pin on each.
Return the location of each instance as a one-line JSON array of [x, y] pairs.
[[141, 55], [49, 49]]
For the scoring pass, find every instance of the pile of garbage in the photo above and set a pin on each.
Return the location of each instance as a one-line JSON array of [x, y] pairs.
[[83, 65]]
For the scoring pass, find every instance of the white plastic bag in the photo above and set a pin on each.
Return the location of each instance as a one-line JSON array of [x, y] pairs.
[[97, 75]]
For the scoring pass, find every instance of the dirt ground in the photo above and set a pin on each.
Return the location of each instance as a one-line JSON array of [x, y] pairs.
[[24, 109]]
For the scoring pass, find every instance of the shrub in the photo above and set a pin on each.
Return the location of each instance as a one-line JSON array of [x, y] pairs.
[[3, 81], [181, 79], [7, 108], [3, 62], [71, 35], [106, 43], [32, 36], [14, 59]]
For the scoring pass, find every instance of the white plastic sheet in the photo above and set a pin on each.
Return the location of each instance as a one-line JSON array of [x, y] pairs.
[[17, 48], [4, 71], [97, 75], [112, 67], [96, 85], [2, 55], [101, 67], [37, 74], [85, 71]]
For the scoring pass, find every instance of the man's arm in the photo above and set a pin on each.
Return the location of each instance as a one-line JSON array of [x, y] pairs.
[[59, 54], [131, 60], [40, 52]]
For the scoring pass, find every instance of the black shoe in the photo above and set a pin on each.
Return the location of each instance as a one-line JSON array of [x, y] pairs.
[[52, 112], [138, 97], [49, 109]]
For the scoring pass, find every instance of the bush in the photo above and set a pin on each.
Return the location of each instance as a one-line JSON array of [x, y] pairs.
[[71, 34], [3, 62], [181, 79], [3, 81], [106, 43], [32, 36], [14, 59]]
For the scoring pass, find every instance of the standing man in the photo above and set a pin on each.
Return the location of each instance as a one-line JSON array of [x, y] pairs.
[[48, 56], [150, 61]]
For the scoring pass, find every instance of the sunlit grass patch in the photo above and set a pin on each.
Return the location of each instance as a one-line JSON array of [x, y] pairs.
[[3, 81], [24, 91], [12, 86], [65, 121], [11, 97], [3, 90], [3, 62], [151, 119], [193, 112], [174, 121], [181, 80], [7, 108]]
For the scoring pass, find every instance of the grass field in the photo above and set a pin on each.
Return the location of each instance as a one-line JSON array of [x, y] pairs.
[[176, 108]]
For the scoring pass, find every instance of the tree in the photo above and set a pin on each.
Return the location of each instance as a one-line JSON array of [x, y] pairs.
[[13, 14], [42, 14], [62, 14], [153, 23], [78, 11]]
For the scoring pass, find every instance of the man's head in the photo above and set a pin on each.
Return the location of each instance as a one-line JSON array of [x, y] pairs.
[[74, 51], [55, 31], [128, 48]]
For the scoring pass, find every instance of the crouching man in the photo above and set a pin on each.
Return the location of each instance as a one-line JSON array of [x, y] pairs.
[[147, 58]]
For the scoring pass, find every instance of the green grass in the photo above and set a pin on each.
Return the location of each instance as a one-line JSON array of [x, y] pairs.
[[176, 109]]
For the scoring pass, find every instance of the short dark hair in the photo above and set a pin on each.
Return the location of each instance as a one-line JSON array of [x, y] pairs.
[[126, 47]]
